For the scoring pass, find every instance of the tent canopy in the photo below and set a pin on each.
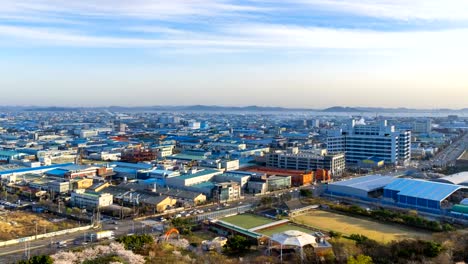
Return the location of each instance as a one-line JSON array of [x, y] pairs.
[[294, 238]]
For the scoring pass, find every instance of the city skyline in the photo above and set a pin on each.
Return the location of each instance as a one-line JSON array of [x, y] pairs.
[[297, 53]]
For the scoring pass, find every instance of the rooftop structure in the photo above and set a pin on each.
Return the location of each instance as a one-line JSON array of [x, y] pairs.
[[360, 187], [460, 178]]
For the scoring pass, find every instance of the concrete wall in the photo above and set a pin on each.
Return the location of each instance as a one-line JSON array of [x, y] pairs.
[[47, 235]]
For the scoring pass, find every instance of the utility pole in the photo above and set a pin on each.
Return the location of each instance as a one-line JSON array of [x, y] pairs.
[[35, 222]]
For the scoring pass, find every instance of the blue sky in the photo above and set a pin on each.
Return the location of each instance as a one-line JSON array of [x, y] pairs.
[[295, 53]]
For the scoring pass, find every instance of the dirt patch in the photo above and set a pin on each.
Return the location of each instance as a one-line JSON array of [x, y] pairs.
[[351, 225], [16, 224]]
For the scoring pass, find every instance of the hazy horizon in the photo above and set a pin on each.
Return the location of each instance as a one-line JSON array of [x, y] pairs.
[[295, 53]]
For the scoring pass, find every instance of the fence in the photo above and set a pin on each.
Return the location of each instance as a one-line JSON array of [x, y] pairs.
[[47, 235], [225, 212]]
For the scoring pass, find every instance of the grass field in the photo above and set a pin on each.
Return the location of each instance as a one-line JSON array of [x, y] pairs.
[[247, 221], [351, 225], [282, 228]]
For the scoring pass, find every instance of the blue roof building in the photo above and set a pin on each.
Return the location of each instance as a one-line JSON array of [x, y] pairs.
[[359, 187], [420, 194]]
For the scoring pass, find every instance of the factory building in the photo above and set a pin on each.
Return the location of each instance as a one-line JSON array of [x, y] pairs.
[[83, 199], [295, 160], [361, 187], [425, 196], [379, 140]]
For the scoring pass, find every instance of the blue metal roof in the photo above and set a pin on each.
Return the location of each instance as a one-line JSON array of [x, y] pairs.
[[429, 190], [367, 183], [198, 174], [57, 172], [35, 169], [139, 166]]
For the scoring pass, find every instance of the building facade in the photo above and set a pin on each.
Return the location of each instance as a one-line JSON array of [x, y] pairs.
[[307, 161], [379, 140], [83, 199]]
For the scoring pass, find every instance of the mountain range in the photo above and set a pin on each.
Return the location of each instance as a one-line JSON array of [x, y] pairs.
[[215, 108]]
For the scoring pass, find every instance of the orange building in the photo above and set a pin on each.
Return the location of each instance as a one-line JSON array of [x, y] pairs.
[[298, 178], [322, 175]]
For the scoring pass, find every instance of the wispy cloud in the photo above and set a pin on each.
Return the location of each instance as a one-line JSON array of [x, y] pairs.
[[252, 36], [223, 24], [143, 9], [395, 9]]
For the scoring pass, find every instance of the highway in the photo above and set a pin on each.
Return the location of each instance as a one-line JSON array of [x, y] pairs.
[[447, 156]]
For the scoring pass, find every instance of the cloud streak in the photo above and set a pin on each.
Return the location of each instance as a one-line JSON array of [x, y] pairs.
[[449, 10], [248, 36]]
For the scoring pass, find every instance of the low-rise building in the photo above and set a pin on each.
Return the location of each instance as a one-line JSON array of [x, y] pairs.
[[192, 179], [83, 199], [226, 191], [59, 186], [304, 161]]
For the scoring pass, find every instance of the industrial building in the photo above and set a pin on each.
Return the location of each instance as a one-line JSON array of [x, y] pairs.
[[192, 179], [295, 160], [425, 196], [298, 178], [379, 140], [460, 178], [361, 187], [83, 199]]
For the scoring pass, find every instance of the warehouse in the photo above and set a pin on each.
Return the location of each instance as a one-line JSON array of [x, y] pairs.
[[424, 195], [370, 186], [458, 178]]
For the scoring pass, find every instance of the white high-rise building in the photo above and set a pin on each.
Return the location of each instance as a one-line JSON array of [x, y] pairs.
[[422, 126], [362, 141]]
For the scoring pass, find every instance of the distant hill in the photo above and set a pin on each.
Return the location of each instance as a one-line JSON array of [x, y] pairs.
[[338, 109], [216, 108], [54, 109]]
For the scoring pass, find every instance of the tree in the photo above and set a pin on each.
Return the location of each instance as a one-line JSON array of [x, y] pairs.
[[360, 259], [266, 200], [183, 225], [135, 242], [237, 244], [334, 234], [41, 259], [358, 238], [306, 193]]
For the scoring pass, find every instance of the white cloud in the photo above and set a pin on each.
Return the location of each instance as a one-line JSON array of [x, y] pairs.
[[449, 10], [142, 9], [253, 37]]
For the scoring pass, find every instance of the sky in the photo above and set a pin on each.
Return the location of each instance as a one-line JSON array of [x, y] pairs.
[[289, 53]]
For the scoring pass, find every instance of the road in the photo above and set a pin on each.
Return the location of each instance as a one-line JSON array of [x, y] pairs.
[[14, 253], [447, 156]]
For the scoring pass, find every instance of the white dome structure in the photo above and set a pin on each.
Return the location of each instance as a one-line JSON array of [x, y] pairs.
[[293, 238]]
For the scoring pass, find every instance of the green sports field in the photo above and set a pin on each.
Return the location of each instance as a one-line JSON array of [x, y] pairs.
[[247, 221]]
